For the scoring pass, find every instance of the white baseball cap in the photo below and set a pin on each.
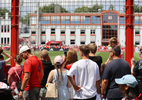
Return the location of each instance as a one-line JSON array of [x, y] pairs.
[[58, 60], [3, 86], [23, 49]]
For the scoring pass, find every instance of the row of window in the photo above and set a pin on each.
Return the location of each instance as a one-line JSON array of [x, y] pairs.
[[4, 40], [4, 28], [136, 21], [81, 42], [63, 32]]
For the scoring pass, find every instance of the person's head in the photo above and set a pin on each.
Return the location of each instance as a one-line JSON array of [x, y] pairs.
[[71, 57], [140, 49], [1, 57], [140, 55], [128, 86], [84, 51], [92, 48], [58, 61], [115, 51], [18, 59], [44, 55], [25, 51], [113, 41]]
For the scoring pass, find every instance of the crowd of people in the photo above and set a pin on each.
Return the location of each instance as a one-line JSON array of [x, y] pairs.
[[84, 79]]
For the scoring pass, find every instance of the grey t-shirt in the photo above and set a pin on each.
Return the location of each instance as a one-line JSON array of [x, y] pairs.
[[2, 74]]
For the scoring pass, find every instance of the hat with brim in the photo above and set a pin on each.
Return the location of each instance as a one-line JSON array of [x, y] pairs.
[[23, 49]]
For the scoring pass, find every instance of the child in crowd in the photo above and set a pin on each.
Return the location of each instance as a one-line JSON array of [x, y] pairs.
[[47, 66], [14, 74], [128, 85], [71, 58]]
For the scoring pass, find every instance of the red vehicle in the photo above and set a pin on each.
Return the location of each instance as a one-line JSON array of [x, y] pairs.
[[54, 43]]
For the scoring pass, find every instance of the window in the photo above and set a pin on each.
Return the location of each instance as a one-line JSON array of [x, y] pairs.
[[52, 31], [82, 31], [8, 29], [1, 40], [75, 19], [4, 28], [136, 20], [62, 32], [137, 43], [72, 32], [109, 17], [33, 32], [8, 40], [92, 41], [122, 20], [82, 42], [43, 32], [137, 32], [92, 31], [85, 20], [65, 19], [98, 20], [4, 40], [45, 22], [55, 20], [72, 42], [42, 42]]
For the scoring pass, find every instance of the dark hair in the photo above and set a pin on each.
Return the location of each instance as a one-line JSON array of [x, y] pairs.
[[85, 49], [29, 51], [18, 58], [132, 93], [116, 50], [59, 66], [1, 57]]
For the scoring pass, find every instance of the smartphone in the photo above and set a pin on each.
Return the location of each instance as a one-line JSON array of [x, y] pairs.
[[65, 53]]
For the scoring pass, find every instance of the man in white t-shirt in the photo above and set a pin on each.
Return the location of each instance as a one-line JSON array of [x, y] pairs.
[[87, 77]]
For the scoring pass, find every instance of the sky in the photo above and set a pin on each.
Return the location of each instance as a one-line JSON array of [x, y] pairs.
[[29, 6]]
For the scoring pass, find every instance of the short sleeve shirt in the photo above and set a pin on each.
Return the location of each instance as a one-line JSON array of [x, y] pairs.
[[2, 74], [14, 75], [34, 66], [117, 68], [86, 74]]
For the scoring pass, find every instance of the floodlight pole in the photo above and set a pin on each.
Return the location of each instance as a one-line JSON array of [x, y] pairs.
[[129, 30], [14, 29]]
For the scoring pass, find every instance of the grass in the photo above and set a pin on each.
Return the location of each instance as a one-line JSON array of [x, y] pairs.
[[52, 55]]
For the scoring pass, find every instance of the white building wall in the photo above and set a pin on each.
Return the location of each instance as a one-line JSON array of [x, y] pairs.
[[77, 38], [57, 32], [48, 32], [67, 42], [98, 35], [87, 34], [122, 35], [140, 35]]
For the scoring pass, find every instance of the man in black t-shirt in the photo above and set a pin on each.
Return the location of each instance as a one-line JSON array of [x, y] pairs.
[[117, 68], [93, 49]]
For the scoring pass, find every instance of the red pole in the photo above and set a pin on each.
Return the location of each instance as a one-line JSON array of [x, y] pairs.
[[129, 30], [14, 29]]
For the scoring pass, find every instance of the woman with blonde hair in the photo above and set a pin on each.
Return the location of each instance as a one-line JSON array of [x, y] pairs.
[[71, 58]]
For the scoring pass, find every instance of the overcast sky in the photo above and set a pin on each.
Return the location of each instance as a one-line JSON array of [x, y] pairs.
[[29, 6]]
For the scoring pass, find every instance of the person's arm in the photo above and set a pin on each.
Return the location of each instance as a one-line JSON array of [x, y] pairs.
[[69, 84], [42, 75], [50, 77], [26, 79], [104, 86], [9, 79], [8, 57], [132, 66], [98, 87], [76, 87]]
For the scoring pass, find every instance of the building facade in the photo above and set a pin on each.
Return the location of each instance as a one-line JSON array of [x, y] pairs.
[[83, 28]]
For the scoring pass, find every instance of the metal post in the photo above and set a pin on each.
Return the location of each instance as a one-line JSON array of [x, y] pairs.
[[14, 29], [129, 30]]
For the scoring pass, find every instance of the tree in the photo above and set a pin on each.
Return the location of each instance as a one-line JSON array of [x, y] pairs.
[[82, 9], [137, 8], [3, 11], [50, 9], [25, 19], [96, 7], [111, 7]]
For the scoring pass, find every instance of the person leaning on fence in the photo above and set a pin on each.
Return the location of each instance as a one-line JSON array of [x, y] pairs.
[[14, 74], [87, 76], [2, 64], [32, 75], [61, 78], [47, 66]]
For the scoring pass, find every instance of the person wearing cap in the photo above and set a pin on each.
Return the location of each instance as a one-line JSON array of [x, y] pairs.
[[128, 85], [87, 76], [32, 75], [61, 78], [2, 65], [114, 69]]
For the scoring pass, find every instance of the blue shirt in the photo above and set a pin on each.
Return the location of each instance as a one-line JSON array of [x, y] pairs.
[[2, 74], [117, 68]]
